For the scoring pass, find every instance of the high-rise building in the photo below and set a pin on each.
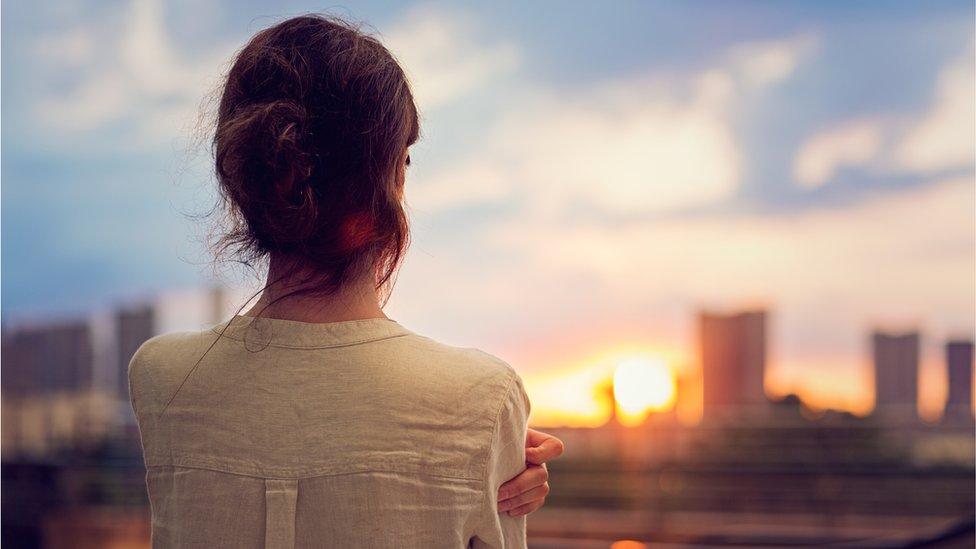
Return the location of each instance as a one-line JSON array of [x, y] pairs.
[[133, 327], [896, 374], [733, 358], [48, 388], [49, 358], [959, 362]]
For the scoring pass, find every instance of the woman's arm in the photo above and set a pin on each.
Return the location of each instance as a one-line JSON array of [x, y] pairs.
[[506, 459], [528, 490]]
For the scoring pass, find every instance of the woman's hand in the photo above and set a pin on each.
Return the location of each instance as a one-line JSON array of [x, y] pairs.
[[527, 492]]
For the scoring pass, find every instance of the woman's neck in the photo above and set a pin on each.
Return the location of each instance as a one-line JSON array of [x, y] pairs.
[[358, 299]]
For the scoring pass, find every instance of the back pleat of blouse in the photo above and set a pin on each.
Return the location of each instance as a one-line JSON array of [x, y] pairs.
[[280, 497]]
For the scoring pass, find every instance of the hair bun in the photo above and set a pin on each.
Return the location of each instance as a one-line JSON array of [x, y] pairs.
[[269, 164]]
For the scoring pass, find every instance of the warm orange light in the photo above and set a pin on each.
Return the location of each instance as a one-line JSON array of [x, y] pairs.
[[572, 389], [628, 544], [642, 385]]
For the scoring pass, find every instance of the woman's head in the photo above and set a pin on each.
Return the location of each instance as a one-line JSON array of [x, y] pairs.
[[310, 148]]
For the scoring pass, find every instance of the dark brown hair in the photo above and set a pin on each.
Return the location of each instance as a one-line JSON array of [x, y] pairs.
[[313, 121]]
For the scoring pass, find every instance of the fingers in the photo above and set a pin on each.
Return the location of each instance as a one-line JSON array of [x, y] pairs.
[[542, 447], [534, 438], [535, 495], [527, 492], [527, 508], [532, 477]]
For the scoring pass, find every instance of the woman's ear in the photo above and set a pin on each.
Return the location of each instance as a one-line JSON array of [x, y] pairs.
[[401, 172]]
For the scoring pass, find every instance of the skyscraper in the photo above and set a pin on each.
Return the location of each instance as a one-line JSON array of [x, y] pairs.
[[959, 362], [47, 379], [896, 374], [48, 358], [733, 357]]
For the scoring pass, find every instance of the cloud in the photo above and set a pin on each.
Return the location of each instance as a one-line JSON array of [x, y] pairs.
[[864, 253], [854, 143], [761, 64], [442, 56], [133, 79], [945, 136], [570, 247], [940, 139], [618, 155], [67, 50], [647, 143], [135, 84]]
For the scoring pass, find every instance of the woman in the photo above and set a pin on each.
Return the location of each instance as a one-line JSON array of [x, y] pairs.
[[313, 419]]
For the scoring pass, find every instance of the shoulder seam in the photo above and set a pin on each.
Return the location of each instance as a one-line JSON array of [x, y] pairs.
[[153, 394], [494, 424]]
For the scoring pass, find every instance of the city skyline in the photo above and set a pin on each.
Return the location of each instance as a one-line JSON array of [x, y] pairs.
[[731, 380], [588, 177]]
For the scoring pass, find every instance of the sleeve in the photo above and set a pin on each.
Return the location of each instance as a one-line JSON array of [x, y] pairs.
[[506, 459]]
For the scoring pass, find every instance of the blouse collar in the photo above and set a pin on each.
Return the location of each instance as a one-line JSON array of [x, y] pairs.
[[276, 332]]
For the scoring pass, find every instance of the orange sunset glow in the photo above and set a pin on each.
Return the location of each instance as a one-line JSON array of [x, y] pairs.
[[571, 386], [642, 385], [577, 386]]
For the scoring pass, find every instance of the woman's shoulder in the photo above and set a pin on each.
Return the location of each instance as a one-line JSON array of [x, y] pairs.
[[462, 370], [454, 360], [162, 360], [413, 364], [162, 348], [479, 386]]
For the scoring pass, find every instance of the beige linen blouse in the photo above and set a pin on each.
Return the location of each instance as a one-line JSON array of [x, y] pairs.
[[347, 434]]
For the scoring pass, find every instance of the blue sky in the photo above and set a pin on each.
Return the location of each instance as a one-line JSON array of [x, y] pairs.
[[588, 173]]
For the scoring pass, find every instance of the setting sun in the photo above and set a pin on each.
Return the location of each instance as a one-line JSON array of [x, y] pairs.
[[642, 385]]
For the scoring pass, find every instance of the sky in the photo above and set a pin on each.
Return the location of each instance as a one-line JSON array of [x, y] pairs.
[[589, 176]]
